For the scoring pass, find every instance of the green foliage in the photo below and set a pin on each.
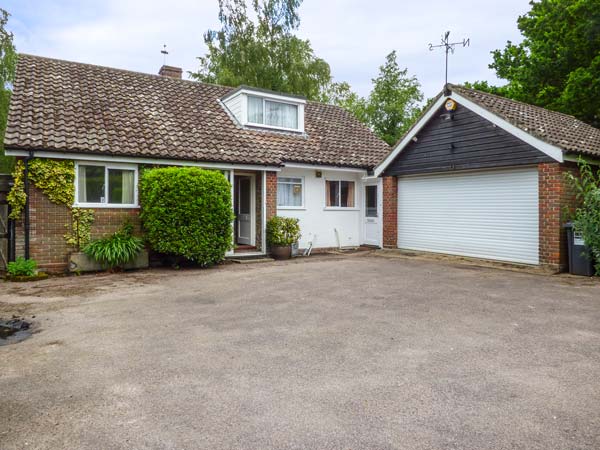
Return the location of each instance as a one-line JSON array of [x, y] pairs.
[[55, 178], [283, 231], [262, 52], [80, 228], [557, 66], [586, 219], [22, 267], [341, 94], [392, 106], [115, 250], [16, 197], [8, 62], [187, 212]]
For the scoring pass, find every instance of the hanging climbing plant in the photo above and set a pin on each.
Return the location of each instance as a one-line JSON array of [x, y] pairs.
[[80, 228], [16, 197], [56, 179]]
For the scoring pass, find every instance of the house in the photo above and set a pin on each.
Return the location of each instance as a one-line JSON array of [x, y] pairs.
[[282, 154], [478, 175], [483, 176]]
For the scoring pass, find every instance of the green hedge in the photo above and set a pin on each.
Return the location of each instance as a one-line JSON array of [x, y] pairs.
[[187, 212]]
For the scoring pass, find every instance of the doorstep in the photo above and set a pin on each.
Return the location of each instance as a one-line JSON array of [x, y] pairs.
[[249, 258]]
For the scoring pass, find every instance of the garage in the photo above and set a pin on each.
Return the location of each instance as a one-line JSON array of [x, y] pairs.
[[483, 176], [490, 214]]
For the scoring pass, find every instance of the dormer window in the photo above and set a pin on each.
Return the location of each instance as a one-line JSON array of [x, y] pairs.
[[272, 113], [266, 109]]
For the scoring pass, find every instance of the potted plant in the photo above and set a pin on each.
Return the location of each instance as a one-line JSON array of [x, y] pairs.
[[282, 232]]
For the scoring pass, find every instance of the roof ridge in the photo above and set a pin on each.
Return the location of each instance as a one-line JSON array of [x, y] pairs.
[[528, 105], [118, 69]]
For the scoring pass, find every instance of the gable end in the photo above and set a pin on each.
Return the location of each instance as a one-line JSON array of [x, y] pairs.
[[464, 141]]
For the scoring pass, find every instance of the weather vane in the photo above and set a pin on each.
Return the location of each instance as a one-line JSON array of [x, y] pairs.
[[449, 46], [165, 53]]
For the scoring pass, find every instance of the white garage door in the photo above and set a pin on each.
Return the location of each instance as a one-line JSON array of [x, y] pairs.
[[487, 214]]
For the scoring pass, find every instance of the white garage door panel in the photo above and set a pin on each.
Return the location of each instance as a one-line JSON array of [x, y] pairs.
[[492, 214]]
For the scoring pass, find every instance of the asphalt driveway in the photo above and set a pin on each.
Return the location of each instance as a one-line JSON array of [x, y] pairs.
[[358, 352]]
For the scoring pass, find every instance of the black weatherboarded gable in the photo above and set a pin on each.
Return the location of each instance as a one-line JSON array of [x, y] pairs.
[[465, 141]]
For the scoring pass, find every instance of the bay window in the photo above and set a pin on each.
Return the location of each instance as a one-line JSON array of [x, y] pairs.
[[106, 185], [290, 192], [339, 194]]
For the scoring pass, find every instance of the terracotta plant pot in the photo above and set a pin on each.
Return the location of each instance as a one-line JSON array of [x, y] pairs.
[[281, 252]]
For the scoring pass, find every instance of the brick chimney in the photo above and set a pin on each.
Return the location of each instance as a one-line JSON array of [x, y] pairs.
[[170, 71]]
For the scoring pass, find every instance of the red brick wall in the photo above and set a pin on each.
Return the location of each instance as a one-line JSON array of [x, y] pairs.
[[48, 225], [554, 197], [390, 212], [271, 194]]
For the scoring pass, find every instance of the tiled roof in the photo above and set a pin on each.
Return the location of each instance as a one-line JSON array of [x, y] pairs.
[[72, 107], [561, 130]]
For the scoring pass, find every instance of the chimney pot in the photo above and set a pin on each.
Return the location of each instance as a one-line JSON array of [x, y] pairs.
[[171, 72]]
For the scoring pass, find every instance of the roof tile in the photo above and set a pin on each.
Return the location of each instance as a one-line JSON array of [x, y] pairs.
[[72, 107]]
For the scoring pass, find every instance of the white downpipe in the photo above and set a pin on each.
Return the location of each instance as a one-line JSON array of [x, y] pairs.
[[337, 238]]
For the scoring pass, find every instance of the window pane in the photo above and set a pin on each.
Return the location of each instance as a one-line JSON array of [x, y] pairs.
[[347, 194], [120, 186], [281, 115], [289, 192], [371, 201], [255, 110], [91, 184], [333, 191]]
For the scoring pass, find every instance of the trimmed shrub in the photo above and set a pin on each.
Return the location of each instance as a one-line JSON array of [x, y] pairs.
[[115, 250], [186, 211]]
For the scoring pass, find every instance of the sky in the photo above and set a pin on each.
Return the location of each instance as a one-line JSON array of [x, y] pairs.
[[353, 36]]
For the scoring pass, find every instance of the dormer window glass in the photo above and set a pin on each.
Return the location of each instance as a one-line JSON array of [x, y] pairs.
[[272, 113]]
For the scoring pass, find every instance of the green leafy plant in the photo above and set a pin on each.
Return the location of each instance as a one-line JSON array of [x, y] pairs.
[[116, 249], [186, 211], [283, 231], [586, 219], [80, 228], [22, 267], [56, 179]]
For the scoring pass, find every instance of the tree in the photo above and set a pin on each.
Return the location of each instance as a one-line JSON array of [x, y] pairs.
[[341, 94], [393, 105], [263, 52], [557, 66], [8, 62]]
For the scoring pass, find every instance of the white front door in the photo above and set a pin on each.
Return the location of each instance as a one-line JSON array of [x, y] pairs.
[[371, 213], [244, 210]]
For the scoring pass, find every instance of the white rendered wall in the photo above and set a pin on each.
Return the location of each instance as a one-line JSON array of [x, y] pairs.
[[316, 219]]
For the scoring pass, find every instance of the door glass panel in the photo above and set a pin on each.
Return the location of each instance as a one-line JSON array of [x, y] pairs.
[[371, 201], [244, 196]]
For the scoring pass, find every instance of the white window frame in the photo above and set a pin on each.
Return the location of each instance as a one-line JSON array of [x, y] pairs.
[[107, 166], [301, 178], [340, 208], [299, 111]]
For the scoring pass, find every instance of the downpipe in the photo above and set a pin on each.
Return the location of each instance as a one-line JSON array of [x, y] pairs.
[[27, 224]]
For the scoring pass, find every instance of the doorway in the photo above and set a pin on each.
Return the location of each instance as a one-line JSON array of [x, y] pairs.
[[245, 210], [372, 214]]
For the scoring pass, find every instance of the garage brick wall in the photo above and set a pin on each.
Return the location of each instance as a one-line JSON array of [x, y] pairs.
[[390, 211], [555, 197]]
